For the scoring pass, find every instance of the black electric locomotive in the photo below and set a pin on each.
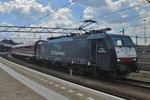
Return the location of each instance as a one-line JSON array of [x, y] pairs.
[[107, 54]]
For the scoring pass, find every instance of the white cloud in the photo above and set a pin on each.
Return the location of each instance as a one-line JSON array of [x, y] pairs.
[[135, 2], [5, 24], [24, 8], [91, 8], [88, 12], [114, 5], [124, 16], [61, 18], [17, 36]]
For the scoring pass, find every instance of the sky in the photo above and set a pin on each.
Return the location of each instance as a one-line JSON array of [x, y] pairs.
[[115, 14]]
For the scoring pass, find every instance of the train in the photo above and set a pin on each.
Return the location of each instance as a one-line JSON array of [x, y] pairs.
[[96, 53]]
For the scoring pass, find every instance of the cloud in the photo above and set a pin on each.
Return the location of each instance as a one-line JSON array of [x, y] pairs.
[[17, 36], [135, 2], [88, 12], [89, 8], [24, 8], [61, 18], [114, 5], [124, 16], [5, 24]]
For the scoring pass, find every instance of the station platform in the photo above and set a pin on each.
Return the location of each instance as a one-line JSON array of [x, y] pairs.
[[12, 89], [20, 83]]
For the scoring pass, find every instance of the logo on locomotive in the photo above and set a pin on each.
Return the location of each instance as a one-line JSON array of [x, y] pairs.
[[57, 53]]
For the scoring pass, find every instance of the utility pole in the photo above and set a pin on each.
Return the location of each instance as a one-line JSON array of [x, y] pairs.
[[122, 31], [136, 39], [145, 40]]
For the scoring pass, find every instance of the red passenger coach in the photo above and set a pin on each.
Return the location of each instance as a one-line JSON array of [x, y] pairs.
[[27, 50]]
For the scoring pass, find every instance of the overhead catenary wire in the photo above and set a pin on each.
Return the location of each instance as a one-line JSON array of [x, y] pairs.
[[92, 18], [111, 13], [129, 18], [128, 8], [51, 12], [136, 26], [139, 35], [135, 36], [139, 28]]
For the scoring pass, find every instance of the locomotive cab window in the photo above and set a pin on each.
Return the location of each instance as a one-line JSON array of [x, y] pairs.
[[122, 41], [118, 42]]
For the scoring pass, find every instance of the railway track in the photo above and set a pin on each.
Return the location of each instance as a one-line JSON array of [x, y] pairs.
[[118, 88], [144, 61], [145, 66], [137, 83]]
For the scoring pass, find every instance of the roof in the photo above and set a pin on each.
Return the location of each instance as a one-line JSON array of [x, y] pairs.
[[117, 35], [81, 37], [6, 45], [27, 44]]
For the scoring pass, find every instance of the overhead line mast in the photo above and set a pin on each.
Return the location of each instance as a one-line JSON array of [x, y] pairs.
[[26, 29], [57, 30]]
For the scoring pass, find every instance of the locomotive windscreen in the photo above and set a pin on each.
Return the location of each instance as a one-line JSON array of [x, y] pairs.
[[122, 41]]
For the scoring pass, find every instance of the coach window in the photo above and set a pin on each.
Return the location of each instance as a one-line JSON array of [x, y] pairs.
[[27, 47]]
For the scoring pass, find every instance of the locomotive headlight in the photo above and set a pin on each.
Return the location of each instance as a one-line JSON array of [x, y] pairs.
[[134, 59], [118, 60]]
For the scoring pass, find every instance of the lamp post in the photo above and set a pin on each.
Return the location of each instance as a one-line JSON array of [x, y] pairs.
[[144, 36]]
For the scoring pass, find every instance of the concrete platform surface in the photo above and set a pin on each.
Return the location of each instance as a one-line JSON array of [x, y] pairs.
[[43, 86], [12, 89]]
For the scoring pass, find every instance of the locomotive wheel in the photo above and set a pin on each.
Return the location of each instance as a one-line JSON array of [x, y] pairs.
[[76, 69]]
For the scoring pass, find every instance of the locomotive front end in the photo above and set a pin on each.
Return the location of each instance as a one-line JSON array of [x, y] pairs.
[[126, 56]]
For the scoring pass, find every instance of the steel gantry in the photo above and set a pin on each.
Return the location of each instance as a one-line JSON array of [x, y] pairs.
[[25, 29]]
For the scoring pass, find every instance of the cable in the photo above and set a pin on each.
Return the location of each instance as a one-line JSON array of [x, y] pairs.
[[128, 8], [135, 36], [52, 12], [139, 28], [119, 11], [137, 25], [136, 16]]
